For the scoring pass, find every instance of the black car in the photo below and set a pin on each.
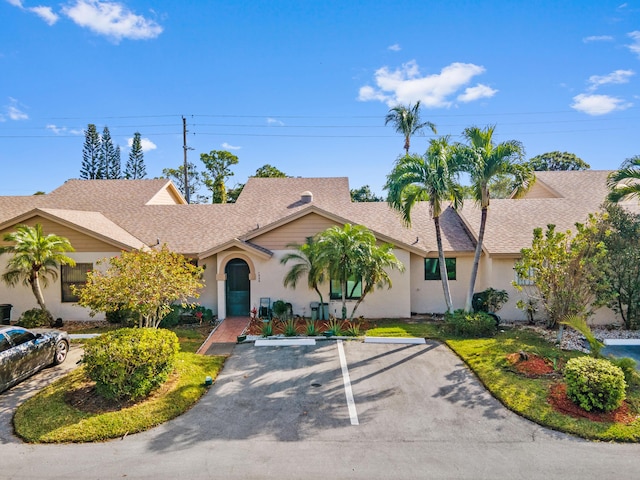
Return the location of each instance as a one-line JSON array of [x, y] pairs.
[[23, 352]]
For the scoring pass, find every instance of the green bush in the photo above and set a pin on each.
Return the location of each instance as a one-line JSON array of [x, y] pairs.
[[121, 316], [466, 324], [594, 383], [130, 363], [489, 300], [628, 367], [172, 318], [34, 318]]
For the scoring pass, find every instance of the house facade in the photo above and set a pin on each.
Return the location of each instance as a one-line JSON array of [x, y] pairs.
[[240, 245]]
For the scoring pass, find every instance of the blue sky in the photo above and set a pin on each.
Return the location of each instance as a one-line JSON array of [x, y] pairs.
[[305, 85]]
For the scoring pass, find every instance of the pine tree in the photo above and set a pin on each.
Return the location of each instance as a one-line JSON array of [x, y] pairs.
[[109, 156], [135, 165], [91, 168]]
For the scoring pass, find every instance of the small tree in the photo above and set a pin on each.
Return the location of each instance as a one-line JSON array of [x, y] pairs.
[[35, 259], [269, 171], [557, 161], [567, 270], [217, 163], [622, 264], [364, 194], [135, 167], [176, 175], [145, 282], [109, 157]]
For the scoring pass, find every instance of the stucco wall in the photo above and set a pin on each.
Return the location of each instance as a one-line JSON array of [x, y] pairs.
[[427, 296]]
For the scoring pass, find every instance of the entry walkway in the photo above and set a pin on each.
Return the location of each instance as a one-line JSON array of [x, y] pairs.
[[223, 339]]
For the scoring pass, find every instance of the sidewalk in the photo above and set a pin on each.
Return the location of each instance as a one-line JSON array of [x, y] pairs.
[[223, 339]]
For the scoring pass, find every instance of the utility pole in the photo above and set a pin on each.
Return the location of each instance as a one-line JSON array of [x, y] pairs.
[[186, 165]]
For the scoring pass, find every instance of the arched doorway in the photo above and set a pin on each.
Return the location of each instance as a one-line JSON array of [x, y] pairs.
[[238, 291]]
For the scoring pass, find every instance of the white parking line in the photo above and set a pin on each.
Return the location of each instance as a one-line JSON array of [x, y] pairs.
[[351, 404]]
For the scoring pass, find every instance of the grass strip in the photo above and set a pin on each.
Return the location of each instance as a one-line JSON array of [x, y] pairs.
[[48, 418]]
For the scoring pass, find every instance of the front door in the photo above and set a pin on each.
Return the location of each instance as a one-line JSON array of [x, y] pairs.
[[238, 288]]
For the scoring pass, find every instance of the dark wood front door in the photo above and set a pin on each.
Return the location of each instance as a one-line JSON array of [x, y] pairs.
[[238, 288]]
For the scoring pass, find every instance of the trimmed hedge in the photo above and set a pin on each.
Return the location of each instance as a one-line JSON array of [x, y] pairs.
[[466, 324], [130, 363], [595, 384]]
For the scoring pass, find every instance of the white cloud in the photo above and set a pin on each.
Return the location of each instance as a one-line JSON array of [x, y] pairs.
[[635, 46], [13, 112], [228, 146], [598, 38], [145, 143], [274, 121], [475, 93], [406, 85], [617, 77], [55, 129], [46, 14], [15, 3], [394, 48], [111, 19], [598, 104]]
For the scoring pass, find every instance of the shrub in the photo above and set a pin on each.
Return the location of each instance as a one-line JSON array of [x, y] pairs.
[[172, 318], [130, 363], [290, 328], [34, 318], [489, 300], [628, 367], [311, 328], [466, 324], [267, 329], [595, 384], [121, 316]]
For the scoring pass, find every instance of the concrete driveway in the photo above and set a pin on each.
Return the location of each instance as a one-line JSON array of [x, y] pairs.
[[282, 413]]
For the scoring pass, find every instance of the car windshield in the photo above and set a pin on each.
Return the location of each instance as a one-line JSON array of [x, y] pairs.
[[18, 337], [4, 343]]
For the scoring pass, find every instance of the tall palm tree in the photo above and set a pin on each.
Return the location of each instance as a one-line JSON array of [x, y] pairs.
[[35, 259], [372, 269], [341, 250], [625, 183], [431, 177], [406, 121], [483, 160], [308, 263]]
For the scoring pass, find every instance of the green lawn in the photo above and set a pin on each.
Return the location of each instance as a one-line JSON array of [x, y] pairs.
[[525, 396]]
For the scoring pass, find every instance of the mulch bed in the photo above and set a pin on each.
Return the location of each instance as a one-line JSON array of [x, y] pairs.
[[559, 400], [530, 365], [256, 324]]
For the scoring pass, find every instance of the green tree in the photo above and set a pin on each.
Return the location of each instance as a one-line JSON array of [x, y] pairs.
[[135, 167], [92, 167], [109, 157], [483, 160], [307, 264], [406, 121], [364, 194], [176, 175], [373, 269], [144, 282], [433, 178], [217, 163], [35, 259], [566, 269], [622, 263], [557, 161], [625, 182], [269, 171]]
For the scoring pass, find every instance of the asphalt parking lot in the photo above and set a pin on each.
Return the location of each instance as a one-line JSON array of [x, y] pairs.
[[282, 412]]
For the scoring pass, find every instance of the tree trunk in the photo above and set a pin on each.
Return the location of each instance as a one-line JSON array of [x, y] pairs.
[[476, 260], [443, 266], [321, 312], [37, 292]]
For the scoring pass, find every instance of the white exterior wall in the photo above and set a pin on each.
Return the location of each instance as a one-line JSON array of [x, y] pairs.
[[427, 296], [392, 303], [209, 294]]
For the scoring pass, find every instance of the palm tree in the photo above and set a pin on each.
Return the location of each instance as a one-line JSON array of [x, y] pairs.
[[308, 264], [341, 250], [625, 183], [35, 259], [431, 177], [372, 269], [406, 121], [484, 161]]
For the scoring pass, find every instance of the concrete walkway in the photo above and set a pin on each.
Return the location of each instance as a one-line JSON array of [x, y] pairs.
[[224, 337]]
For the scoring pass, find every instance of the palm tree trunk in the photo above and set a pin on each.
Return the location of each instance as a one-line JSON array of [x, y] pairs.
[[37, 292], [321, 313], [443, 266], [476, 260], [344, 300]]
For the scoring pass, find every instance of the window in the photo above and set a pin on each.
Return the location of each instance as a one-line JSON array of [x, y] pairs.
[[19, 336], [432, 268], [354, 289], [73, 276], [523, 281]]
